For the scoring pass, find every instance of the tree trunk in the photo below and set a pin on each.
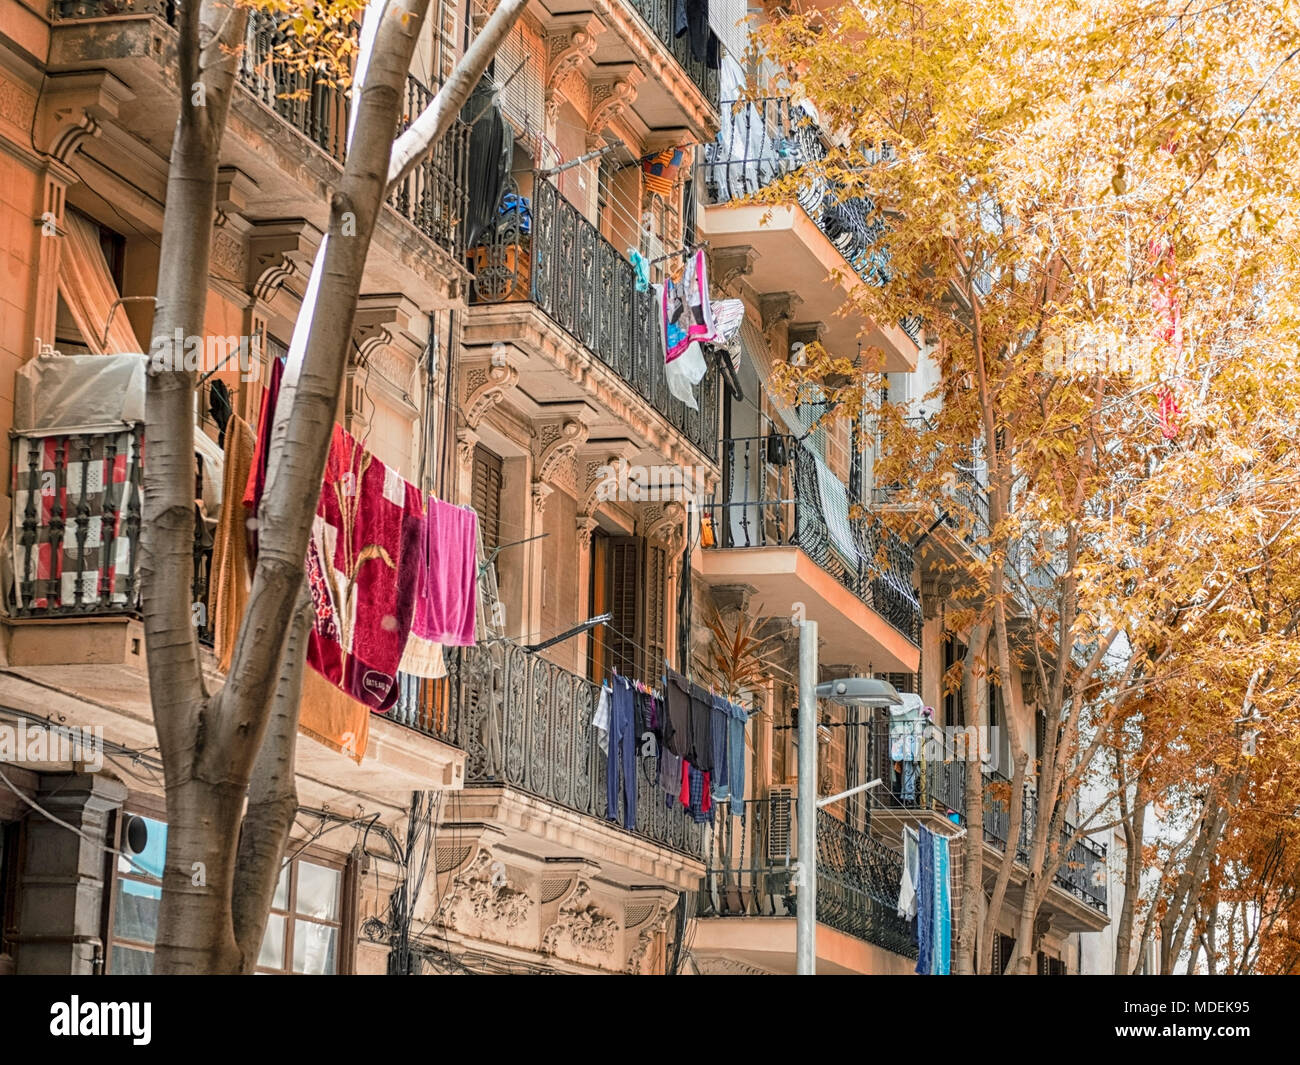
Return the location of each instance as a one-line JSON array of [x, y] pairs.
[[1134, 830], [203, 805], [972, 898], [999, 893], [210, 746], [272, 798]]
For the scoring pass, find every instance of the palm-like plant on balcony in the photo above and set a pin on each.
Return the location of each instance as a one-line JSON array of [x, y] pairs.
[[739, 659]]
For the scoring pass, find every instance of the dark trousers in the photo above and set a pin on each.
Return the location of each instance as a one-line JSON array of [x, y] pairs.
[[622, 753]]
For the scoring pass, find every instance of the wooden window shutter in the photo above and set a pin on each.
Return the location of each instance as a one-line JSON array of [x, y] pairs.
[[485, 493], [654, 590], [954, 702], [903, 682], [625, 629]]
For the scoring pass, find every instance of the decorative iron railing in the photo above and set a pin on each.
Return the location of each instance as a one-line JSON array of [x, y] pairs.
[[858, 876], [524, 721], [552, 256], [434, 198], [770, 495], [1082, 871], [936, 781], [425, 706], [762, 140], [659, 15]]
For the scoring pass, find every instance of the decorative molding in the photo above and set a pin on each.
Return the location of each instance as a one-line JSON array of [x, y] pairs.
[[585, 527], [482, 893], [568, 43], [559, 441], [466, 442], [727, 265], [581, 926], [541, 493], [639, 955], [278, 249], [17, 103], [666, 526], [806, 332], [611, 96], [228, 253], [486, 386], [777, 307]]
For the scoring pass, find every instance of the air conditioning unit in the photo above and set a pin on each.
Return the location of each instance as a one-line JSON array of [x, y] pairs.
[[780, 827]]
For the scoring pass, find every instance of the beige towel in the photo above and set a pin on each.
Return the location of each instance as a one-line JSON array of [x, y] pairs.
[[423, 658], [229, 581]]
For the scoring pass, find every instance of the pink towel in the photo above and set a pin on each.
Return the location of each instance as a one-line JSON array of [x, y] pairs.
[[362, 564], [445, 602]]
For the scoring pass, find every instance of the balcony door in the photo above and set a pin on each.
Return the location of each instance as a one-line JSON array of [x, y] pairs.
[[629, 580]]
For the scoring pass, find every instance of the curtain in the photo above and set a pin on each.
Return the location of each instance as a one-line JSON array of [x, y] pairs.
[[88, 290]]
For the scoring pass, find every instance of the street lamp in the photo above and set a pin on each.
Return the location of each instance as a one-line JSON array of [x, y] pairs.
[[849, 691]]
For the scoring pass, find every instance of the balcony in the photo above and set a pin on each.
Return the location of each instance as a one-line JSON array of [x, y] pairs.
[[747, 883], [434, 199], [525, 723], [1083, 870], [780, 514], [658, 15], [553, 258], [836, 243]]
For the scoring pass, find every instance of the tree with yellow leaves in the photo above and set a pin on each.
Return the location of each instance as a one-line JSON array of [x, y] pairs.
[[1091, 208]]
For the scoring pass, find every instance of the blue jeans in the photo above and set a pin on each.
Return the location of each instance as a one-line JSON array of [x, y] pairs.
[[622, 753]]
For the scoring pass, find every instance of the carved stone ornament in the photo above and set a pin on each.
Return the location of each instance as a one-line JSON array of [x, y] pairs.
[[486, 387], [559, 441], [482, 893], [581, 926]]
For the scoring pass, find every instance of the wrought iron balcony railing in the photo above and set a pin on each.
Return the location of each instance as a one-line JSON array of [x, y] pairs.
[[763, 140], [1082, 872], [526, 722], [551, 255], [858, 876], [659, 15], [434, 198], [770, 496]]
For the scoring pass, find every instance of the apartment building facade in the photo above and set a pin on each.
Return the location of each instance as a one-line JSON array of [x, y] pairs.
[[507, 357]]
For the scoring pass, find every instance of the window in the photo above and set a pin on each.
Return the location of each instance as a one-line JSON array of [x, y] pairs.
[[12, 839], [485, 496], [1002, 948], [954, 704], [137, 894], [303, 931], [304, 927], [1049, 966], [629, 579]]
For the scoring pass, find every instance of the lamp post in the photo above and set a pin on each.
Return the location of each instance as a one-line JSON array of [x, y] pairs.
[[849, 691]]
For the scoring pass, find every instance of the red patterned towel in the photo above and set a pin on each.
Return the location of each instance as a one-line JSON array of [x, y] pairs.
[[362, 569]]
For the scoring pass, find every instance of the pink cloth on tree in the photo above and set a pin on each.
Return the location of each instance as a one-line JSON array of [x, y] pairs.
[[363, 562], [446, 601]]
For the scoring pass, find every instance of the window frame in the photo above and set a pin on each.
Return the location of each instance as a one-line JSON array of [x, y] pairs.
[[343, 959]]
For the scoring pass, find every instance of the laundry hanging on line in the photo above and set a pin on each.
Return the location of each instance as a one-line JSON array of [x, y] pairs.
[[372, 560]]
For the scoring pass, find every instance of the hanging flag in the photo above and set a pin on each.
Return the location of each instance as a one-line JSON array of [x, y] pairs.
[[660, 170]]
